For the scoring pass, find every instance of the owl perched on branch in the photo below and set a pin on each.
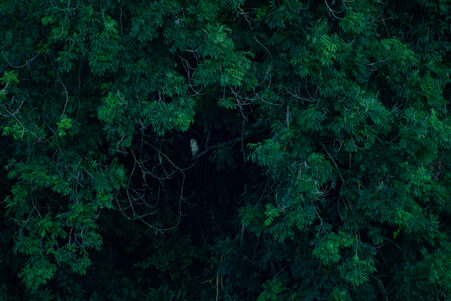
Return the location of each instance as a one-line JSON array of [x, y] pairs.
[[194, 146]]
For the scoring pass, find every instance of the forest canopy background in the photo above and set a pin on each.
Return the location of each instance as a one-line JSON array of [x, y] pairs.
[[225, 150]]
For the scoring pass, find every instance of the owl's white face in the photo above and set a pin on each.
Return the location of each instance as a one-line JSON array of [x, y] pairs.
[[194, 146]]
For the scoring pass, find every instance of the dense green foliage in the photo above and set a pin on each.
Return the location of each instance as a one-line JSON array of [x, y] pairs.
[[322, 169]]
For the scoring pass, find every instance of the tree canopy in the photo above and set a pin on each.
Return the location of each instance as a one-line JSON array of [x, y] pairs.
[[225, 150]]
